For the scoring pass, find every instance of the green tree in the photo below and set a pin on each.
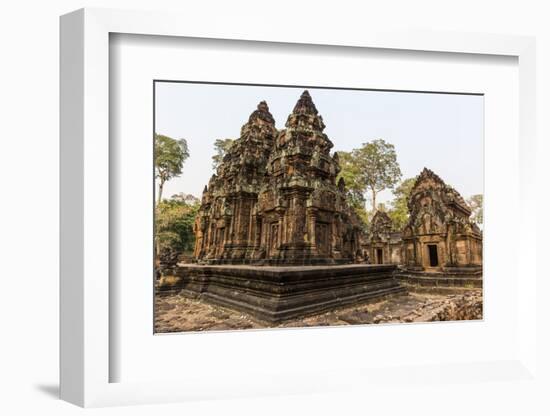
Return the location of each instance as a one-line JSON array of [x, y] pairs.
[[476, 205], [363, 216], [378, 167], [170, 154], [221, 146], [349, 171], [355, 197], [174, 225], [399, 212]]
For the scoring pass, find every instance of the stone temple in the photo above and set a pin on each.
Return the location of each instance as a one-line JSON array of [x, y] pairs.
[[275, 236], [228, 227], [441, 245], [275, 200], [384, 245]]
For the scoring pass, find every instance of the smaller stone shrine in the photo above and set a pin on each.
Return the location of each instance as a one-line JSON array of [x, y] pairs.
[[383, 244], [441, 245]]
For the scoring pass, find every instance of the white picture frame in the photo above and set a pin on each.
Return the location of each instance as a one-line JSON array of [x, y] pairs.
[[85, 216]]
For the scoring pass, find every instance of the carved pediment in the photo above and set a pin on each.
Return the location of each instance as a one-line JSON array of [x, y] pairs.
[[434, 206]]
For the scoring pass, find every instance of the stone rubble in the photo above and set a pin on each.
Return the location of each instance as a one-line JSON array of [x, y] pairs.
[[174, 313]]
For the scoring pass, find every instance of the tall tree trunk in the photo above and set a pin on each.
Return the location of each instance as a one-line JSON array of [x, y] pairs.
[[157, 255], [373, 200], [161, 186], [157, 242]]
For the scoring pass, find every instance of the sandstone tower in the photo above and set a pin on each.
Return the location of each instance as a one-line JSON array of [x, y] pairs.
[[275, 200], [227, 225]]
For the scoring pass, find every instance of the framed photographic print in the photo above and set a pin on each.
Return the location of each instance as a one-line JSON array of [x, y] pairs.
[[287, 213], [278, 232]]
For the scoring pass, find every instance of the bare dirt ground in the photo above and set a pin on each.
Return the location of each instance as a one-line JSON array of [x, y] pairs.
[[175, 313]]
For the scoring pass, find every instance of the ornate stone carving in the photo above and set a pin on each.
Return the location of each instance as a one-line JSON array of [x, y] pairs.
[[274, 198], [384, 244], [227, 223], [439, 236]]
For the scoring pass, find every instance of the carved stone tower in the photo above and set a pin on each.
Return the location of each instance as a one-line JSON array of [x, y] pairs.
[[226, 226], [274, 199], [304, 213]]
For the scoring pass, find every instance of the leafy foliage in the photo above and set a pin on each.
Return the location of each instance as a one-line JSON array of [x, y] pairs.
[[170, 154], [221, 146], [369, 169], [174, 221], [351, 175], [476, 205], [399, 212], [354, 193], [377, 166]]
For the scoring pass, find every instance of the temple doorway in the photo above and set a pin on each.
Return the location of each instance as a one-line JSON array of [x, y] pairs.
[[379, 256], [432, 250]]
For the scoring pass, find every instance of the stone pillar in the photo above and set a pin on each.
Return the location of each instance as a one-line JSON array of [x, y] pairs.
[[211, 242], [231, 222], [228, 227], [441, 253], [449, 254], [251, 237], [418, 253], [311, 219], [258, 231], [280, 231], [335, 232]]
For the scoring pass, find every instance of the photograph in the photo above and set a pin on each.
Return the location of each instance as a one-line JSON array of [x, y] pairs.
[[305, 206], [241, 208]]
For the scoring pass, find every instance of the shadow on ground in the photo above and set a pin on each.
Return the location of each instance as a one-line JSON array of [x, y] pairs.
[[51, 390]]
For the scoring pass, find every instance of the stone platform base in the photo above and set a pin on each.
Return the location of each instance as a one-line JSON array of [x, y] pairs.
[[459, 277], [275, 294], [282, 262]]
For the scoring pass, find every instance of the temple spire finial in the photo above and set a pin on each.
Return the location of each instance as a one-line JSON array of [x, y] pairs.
[[262, 113], [305, 104], [262, 106]]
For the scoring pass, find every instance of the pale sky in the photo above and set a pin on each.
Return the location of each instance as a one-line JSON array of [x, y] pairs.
[[443, 132]]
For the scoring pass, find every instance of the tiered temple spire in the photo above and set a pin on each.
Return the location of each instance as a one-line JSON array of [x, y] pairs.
[[275, 198]]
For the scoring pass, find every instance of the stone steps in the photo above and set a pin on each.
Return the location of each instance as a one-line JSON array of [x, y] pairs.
[[275, 294], [441, 280]]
